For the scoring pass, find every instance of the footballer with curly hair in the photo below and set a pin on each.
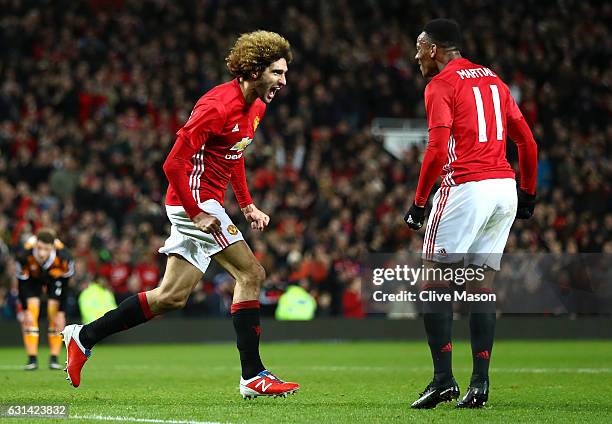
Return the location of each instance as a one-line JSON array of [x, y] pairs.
[[207, 154]]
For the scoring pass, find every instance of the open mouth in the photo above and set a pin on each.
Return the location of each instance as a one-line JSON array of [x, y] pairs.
[[272, 92]]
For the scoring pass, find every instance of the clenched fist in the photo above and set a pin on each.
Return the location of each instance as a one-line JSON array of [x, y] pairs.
[[255, 217], [207, 223]]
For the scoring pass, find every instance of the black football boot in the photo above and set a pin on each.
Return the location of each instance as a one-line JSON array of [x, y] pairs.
[[435, 393], [476, 396]]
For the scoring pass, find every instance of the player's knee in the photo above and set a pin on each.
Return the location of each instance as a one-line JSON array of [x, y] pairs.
[[28, 319], [254, 276], [257, 275]]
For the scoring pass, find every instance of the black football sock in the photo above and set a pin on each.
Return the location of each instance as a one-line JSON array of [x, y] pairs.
[[53, 358], [438, 318], [131, 312], [32, 359], [482, 333], [246, 323]]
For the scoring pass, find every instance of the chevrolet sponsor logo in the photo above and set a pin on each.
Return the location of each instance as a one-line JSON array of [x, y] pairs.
[[242, 144]]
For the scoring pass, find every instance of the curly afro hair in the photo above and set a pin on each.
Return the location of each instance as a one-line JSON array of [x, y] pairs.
[[255, 51]]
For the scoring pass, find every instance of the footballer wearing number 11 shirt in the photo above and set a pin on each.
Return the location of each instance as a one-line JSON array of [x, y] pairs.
[[207, 154], [469, 112]]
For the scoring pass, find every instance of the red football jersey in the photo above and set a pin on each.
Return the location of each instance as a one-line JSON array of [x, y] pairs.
[[219, 128], [475, 104]]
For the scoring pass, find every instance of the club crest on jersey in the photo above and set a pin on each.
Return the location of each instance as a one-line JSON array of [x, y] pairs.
[[242, 144], [256, 123], [232, 229]]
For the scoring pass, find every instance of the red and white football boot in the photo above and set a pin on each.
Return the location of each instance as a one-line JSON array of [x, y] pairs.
[[266, 384], [76, 354]]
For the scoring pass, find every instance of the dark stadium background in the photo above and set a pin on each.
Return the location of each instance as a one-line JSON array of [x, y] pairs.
[[92, 92]]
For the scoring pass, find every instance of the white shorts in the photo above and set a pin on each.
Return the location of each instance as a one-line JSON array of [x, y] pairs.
[[192, 243], [471, 222]]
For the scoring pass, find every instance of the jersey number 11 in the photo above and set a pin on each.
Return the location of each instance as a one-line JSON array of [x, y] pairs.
[[482, 123]]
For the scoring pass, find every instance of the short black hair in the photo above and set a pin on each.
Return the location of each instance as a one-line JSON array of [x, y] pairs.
[[444, 32], [46, 235]]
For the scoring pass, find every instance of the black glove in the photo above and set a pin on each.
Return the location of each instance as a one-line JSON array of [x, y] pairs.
[[415, 217], [526, 204]]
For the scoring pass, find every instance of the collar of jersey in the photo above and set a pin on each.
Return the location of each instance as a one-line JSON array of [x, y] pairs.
[[452, 64], [49, 261], [456, 63], [243, 102]]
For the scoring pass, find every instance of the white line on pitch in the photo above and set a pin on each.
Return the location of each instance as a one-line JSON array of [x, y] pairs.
[[138, 420]]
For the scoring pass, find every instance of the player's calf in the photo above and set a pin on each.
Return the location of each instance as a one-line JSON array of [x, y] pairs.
[[30, 336], [162, 302]]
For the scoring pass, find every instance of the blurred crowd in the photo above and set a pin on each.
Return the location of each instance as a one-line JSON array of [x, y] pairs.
[[92, 93]]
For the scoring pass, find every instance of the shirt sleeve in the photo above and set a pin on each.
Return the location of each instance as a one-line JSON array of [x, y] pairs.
[[439, 104], [68, 263], [239, 184], [513, 113], [206, 119], [21, 266], [519, 132], [433, 161], [175, 169]]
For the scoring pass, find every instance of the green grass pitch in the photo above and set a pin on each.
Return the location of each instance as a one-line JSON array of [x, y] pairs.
[[354, 382]]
